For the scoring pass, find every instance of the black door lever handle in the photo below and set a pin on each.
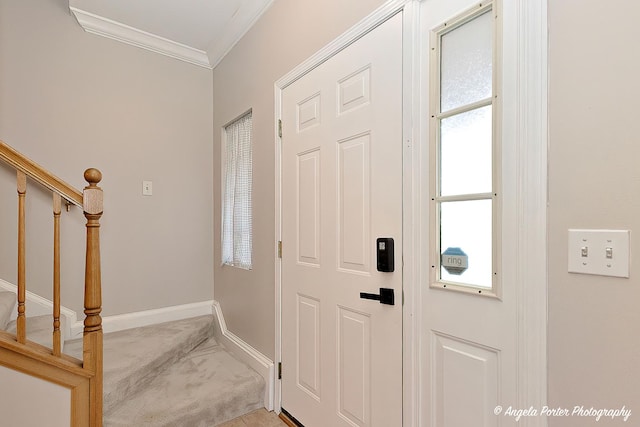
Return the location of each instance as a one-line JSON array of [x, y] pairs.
[[386, 296]]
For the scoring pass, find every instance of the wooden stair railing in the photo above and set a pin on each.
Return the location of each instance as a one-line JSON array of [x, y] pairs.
[[84, 378]]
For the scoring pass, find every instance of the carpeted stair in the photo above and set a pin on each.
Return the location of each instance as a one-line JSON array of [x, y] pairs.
[[171, 374]]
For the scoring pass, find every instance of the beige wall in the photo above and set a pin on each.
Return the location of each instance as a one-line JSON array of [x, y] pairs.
[[30, 401], [70, 100], [594, 182], [289, 32]]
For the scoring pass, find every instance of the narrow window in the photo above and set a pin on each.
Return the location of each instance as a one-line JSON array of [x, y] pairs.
[[236, 193], [464, 152]]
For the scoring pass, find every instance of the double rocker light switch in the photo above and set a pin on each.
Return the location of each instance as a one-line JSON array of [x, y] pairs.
[[601, 252]]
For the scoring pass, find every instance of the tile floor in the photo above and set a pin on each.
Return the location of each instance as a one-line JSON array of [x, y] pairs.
[[257, 418]]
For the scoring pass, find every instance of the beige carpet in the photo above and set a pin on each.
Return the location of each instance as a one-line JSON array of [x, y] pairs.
[[174, 374], [205, 388]]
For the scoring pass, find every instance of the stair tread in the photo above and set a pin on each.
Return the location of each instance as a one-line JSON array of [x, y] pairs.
[[133, 357], [207, 387]]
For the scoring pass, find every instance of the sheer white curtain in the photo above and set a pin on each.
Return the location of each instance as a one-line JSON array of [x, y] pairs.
[[236, 194]]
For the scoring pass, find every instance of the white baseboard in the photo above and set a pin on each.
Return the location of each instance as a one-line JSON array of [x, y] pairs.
[[39, 306], [121, 322], [249, 355], [73, 328]]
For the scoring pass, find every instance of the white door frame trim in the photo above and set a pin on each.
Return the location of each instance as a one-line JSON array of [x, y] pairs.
[[530, 17], [412, 144], [532, 140]]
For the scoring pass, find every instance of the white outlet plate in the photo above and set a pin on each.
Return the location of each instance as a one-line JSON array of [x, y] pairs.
[[147, 188], [588, 251]]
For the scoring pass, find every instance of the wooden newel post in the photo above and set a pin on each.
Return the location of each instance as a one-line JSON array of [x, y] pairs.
[[92, 204]]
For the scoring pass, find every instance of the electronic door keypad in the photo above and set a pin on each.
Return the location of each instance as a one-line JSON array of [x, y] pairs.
[[384, 249]]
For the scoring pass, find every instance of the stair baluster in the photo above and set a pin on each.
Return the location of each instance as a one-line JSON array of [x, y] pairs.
[[57, 205], [21, 321]]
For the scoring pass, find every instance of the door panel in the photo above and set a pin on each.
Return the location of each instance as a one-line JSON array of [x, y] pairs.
[[354, 204], [465, 373], [342, 189], [309, 207], [308, 351], [354, 366]]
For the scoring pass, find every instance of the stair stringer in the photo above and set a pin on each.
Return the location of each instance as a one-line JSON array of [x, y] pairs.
[[247, 354]]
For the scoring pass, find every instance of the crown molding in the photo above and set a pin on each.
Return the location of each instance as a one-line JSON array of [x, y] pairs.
[[114, 30]]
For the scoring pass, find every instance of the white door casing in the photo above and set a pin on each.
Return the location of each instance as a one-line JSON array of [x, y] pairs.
[[342, 189]]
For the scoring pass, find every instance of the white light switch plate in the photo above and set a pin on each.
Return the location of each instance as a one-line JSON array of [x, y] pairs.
[[147, 188], [601, 252]]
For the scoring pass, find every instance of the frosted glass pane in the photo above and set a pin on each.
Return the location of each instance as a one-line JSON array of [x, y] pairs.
[[466, 153], [468, 226], [466, 61]]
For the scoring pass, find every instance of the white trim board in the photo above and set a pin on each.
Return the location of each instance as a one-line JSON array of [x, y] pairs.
[[114, 30], [411, 255], [531, 140], [234, 30], [39, 306], [121, 322], [380, 15], [247, 354]]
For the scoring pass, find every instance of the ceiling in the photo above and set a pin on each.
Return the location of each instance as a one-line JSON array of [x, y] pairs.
[[197, 31]]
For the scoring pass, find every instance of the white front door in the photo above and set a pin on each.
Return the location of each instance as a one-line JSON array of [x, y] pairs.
[[341, 191]]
